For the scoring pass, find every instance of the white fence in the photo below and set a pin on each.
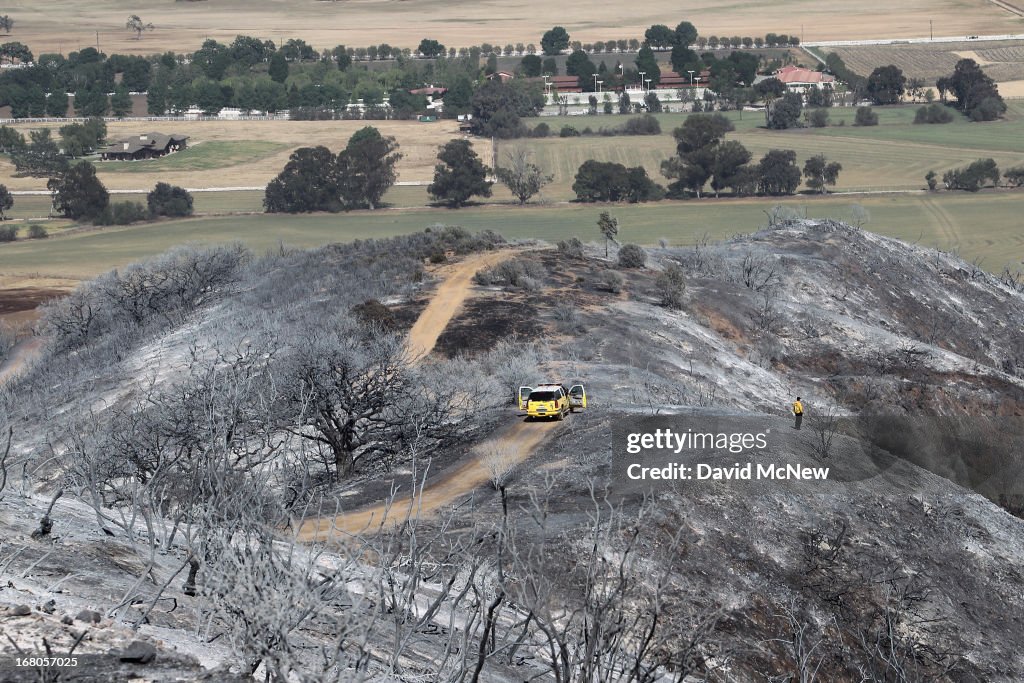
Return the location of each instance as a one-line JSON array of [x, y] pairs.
[[283, 116]]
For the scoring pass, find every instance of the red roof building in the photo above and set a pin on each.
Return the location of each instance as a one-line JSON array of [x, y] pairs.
[[800, 77]]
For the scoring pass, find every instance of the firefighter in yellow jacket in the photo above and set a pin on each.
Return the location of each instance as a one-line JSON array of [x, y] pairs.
[[798, 412]]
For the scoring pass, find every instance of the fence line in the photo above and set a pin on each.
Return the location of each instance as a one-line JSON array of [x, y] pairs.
[[50, 119]]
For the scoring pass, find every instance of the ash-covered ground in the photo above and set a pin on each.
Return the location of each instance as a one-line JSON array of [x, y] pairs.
[[200, 412]]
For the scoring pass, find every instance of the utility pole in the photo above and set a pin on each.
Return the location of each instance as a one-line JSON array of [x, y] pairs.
[[931, 30], [97, 41]]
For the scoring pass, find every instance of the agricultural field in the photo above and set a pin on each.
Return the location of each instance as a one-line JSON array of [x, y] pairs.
[[1001, 60], [983, 227], [66, 25], [249, 154], [895, 155]]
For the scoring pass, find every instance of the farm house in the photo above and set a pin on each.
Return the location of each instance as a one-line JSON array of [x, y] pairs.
[[143, 146]]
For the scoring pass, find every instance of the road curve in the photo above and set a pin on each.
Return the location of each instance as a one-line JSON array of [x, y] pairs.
[[517, 441]]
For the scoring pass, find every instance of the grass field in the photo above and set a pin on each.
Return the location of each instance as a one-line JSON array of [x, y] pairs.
[[895, 155], [984, 226], [1002, 60], [204, 156], [66, 25], [247, 154]]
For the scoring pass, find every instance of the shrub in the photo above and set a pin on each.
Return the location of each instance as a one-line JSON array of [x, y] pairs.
[[643, 125], [607, 181], [373, 313], [567, 315], [632, 256], [122, 213], [609, 281], [990, 109], [572, 247], [37, 232], [522, 273], [671, 286], [541, 130], [1014, 176], [932, 179], [568, 132], [973, 177], [8, 233], [817, 118], [865, 116], [933, 113]]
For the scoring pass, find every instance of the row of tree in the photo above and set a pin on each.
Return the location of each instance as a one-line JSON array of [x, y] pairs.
[[975, 176], [41, 156], [661, 37]]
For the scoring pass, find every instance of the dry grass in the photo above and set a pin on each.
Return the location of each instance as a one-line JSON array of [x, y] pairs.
[[181, 26], [418, 141], [1012, 89], [1002, 60]]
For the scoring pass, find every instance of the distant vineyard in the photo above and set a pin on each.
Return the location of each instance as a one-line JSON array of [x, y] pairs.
[[1003, 61]]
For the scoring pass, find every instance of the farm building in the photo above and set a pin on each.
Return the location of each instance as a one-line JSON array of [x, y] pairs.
[[565, 84], [799, 79], [143, 146]]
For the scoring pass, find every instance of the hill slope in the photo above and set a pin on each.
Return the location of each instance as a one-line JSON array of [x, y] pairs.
[[194, 409]]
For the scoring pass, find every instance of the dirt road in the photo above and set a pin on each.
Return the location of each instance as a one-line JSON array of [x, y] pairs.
[[515, 443], [456, 287]]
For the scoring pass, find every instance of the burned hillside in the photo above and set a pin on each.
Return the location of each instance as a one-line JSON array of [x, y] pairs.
[[234, 439]]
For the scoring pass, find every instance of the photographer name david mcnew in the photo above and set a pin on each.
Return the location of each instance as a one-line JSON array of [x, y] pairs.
[[737, 472]]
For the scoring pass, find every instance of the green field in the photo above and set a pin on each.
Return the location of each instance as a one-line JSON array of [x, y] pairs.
[[894, 155], [201, 157], [985, 226]]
